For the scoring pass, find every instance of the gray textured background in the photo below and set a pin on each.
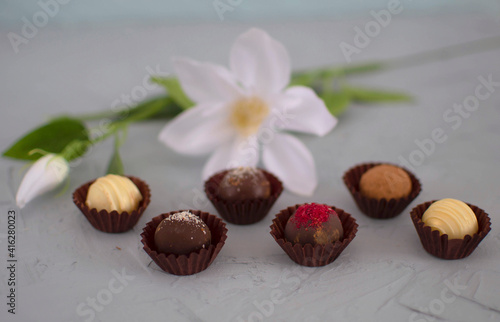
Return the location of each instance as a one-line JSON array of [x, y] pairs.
[[384, 274]]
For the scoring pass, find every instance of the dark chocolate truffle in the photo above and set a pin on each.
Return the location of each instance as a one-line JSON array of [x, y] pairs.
[[385, 181], [314, 224], [182, 233], [244, 183]]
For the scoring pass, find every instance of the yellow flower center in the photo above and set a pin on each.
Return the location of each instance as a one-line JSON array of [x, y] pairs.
[[247, 114]]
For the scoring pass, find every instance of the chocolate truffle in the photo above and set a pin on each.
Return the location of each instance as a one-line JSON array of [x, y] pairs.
[[244, 183], [113, 192], [385, 181], [314, 224], [451, 217], [182, 233]]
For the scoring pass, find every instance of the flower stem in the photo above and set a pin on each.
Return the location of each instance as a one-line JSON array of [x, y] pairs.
[[446, 53], [142, 111], [98, 116], [124, 113]]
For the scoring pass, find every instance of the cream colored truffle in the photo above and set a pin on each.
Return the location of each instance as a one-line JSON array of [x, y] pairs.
[[113, 192], [452, 217]]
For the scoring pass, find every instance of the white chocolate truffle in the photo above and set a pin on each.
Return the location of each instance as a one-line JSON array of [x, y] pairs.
[[452, 217], [113, 192]]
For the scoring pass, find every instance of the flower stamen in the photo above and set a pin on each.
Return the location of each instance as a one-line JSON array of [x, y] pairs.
[[247, 114]]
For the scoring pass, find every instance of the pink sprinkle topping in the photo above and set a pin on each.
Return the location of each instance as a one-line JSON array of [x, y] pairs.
[[312, 215]]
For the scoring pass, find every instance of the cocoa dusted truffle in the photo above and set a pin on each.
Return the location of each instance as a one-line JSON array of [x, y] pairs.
[[314, 224], [385, 181], [244, 183], [182, 233]]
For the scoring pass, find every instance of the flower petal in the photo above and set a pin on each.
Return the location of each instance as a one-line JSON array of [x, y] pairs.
[[205, 82], [292, 162], [198, 130], [44, 175], [260, 62], [241, 152], [300, 109]]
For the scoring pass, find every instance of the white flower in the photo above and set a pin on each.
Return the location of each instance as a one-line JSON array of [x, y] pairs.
[[238, 110], [44, 175]]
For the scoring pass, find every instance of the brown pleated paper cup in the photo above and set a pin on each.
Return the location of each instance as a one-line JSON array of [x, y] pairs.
[[378, 208], [243, 212], [439, 245], [112, 222], [193, 262], [309, 255]]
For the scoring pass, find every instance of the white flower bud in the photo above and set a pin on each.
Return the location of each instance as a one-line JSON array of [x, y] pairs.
[[44, 175]]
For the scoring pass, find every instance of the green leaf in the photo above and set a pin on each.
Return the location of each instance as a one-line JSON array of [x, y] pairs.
[[52, 137], [336, 102], [148, 109], [302, 79], [170, 110], [361, 68], [308, 77], [75, 149], [115, 165], [364, 95], [174, 89], [164, 105]]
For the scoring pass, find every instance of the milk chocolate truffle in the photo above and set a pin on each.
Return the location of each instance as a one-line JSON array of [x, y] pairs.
[[314, 224], [385, 181], [451, 217], [182, 233], [113, 192], [244, 183]]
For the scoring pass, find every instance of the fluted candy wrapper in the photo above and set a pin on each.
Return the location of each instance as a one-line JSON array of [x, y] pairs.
[[378, 208], [442, 247], [309, 255], [243, 212], [193, 262], [112, 222]]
